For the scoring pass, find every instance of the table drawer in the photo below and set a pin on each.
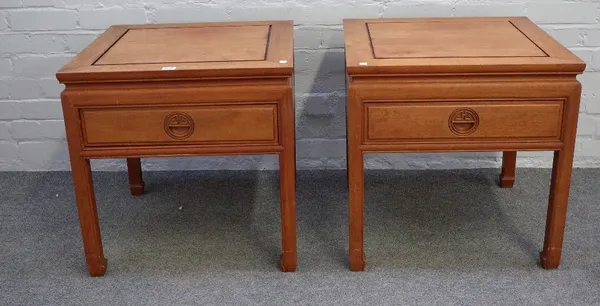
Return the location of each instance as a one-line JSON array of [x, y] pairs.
[[167, 125], [470, 120]]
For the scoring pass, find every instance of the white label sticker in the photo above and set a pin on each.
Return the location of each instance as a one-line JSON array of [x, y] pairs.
[[363, 64], [169, 68], [283, 62]]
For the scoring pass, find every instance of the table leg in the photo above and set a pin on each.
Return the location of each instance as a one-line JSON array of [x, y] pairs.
[[557, 209], [287, 182], [84, 192], [509, 162], [356, 216], [136, 182], [88, 216], [562, 169], [356, 197]]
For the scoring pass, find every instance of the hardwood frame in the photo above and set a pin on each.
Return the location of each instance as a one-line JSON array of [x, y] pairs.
[[359, 49], [136, 181], [146, 88], [509, 165], [83, 70], [431, 83], [75, 99], [374, 91]]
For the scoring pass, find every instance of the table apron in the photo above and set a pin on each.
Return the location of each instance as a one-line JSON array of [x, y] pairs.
[[463, 147], [184, 150]]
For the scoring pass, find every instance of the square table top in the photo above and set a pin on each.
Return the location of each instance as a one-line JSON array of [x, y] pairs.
[[454, 46], [182, 51]]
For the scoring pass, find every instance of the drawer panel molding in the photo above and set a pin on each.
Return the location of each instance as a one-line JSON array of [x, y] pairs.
[[433, 121], [212, 125]]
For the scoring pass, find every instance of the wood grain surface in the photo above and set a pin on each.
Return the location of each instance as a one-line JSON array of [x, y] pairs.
[[227, 90], [450, 40], [496, 45], [185, 52], [460, 84], [198, 44], [430, 120]]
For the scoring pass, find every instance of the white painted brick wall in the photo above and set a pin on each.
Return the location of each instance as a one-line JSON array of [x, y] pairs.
[[3, 91], [42, 19], [10, 111], [77, 42], [11, 3], [9, 159], [38, 66], [37, 129], [24, 89], [38, 36], [3, 21], [103, 18], [399, 9], [5, 67]]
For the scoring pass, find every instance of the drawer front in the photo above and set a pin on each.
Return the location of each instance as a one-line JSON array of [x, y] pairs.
[[167, 125], [415, 121]]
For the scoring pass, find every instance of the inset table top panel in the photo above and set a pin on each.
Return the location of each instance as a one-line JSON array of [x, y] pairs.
[[456, 39], [453, 45], [189, 45], [185, 51]]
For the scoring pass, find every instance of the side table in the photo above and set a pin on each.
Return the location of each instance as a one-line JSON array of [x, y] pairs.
[[460, 84], [181, 90]]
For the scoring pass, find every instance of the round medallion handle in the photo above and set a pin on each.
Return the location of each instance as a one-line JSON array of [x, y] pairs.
[[179, 125], [463, 121]]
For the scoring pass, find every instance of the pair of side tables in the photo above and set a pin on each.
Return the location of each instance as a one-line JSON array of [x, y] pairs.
[[414, 85]]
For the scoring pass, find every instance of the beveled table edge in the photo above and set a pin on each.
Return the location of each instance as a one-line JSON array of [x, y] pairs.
[[560, 60], [279, 62]]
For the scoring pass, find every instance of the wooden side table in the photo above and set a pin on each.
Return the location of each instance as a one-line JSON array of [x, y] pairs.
[[460, 84], [181, 90]]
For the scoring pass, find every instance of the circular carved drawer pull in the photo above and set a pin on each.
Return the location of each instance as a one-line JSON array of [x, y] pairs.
[[463, 121], [179, 125]]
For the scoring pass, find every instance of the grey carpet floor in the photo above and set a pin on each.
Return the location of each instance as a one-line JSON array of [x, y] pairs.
[[212, 238]]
